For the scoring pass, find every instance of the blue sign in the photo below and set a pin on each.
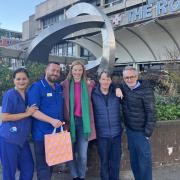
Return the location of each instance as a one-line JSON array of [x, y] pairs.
[[160, 8]]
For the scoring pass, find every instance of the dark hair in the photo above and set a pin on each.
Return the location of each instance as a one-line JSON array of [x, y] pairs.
[[19, 70], [53, 62], [107, 72]]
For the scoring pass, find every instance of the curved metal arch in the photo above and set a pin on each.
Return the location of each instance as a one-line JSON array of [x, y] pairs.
[[85, 46], [91, 64], [126, 49], [98, 44], [169, 34], [147, 45], [41, 46], [108, 38]]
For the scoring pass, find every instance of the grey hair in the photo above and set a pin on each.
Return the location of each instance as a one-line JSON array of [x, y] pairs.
[[130, 68]]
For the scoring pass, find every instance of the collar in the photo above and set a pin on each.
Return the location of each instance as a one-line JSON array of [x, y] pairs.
[[136, 86], [46, 84]]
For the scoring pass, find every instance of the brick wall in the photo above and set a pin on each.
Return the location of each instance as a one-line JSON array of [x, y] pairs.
[[165, 147]]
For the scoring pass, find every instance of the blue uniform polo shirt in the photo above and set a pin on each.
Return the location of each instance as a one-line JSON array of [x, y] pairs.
[[50, 102], [15, 132]]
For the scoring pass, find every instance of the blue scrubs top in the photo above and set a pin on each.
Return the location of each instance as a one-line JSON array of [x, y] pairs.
[[15, 132], [50, 102]]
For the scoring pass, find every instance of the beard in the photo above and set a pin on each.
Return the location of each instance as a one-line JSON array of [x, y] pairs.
[[52, 78]]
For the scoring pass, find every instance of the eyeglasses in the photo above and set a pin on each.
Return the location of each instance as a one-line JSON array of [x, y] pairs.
[[129, 77]]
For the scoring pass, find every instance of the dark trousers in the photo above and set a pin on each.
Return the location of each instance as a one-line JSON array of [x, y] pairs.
[[15, 157], [140, 155], [44, 172], [109, 150]]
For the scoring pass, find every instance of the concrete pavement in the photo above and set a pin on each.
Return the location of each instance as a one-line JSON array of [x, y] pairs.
[[170, 172]]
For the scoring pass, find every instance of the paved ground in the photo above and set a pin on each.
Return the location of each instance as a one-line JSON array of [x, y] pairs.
[[161, 173], [171, 172]]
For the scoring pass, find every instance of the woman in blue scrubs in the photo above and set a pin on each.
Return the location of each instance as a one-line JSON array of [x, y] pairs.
[[15, 151]]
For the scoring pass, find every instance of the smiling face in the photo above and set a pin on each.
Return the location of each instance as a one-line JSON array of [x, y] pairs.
[[130, 78], [52, 73], [77, 72], [21, 81]]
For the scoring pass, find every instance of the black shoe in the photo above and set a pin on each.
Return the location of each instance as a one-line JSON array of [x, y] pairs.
[[76, 178], [81, 178]]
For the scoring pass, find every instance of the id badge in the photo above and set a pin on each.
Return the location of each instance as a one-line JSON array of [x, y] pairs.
[[49, 94]]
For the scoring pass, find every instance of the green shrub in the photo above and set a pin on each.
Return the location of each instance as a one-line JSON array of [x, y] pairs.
[[36, 71], [5, 79], [167, 107]]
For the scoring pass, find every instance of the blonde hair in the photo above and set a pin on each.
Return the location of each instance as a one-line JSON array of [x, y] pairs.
[[74, 63]]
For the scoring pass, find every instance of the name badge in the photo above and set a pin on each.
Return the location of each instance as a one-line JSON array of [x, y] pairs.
[[49, 94]]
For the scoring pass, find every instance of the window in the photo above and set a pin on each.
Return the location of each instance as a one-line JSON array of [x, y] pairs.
[[52, 20], [70, 49], [96, 2], [66, 49], [60, 50], [86, 54], [112, 2]]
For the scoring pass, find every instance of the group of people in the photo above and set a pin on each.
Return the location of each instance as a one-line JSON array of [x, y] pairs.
[[88, 111]]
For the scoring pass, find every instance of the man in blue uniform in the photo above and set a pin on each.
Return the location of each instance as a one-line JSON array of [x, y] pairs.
[[47, 95]]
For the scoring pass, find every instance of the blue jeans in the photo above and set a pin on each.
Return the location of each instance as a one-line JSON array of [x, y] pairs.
[[44, 172], [140, 155], [109, 150], [79, 163], [15, 157]]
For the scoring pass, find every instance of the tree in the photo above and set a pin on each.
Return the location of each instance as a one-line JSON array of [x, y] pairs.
[[5, 79], [35, 71]]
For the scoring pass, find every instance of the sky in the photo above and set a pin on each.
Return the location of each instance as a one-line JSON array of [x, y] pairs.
[[14, 12]]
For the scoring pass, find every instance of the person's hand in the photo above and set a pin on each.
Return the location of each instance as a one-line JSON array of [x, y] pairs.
[[88, 81], [66, 128], [119, 93], [57, 123], [30, 110]]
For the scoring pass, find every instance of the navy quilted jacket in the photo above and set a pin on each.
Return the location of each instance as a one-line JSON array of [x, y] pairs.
[[106, 115], [138, 108]]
